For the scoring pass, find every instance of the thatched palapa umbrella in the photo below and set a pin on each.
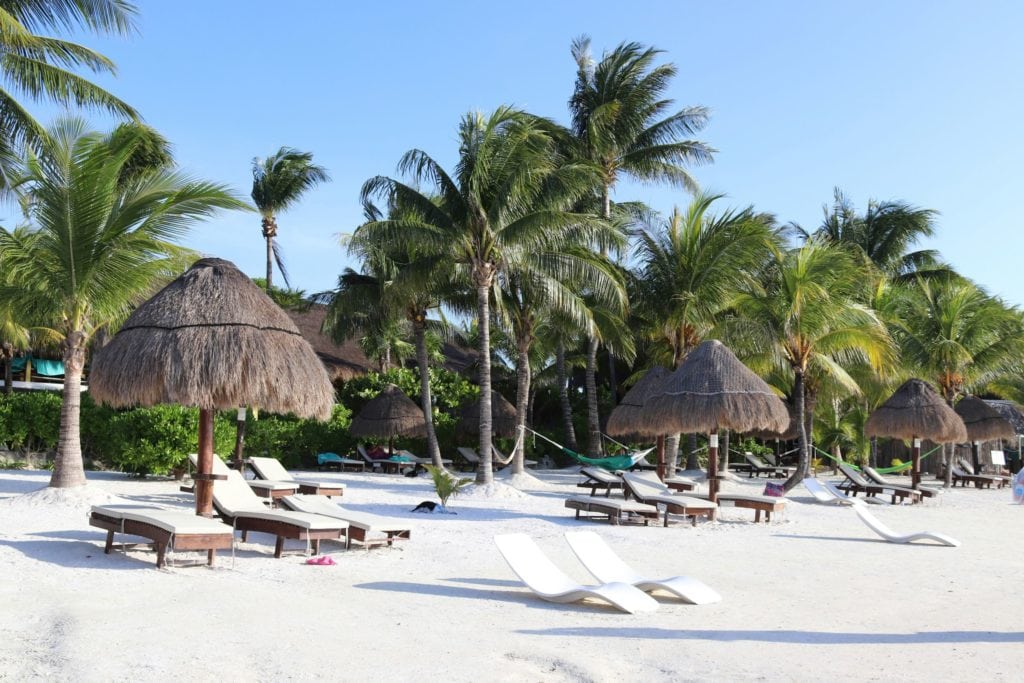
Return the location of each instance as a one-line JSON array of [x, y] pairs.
[[389, 414], [214, 340], [713, 390], [916, 412], [627, 419], [983, 423], [503, 416]]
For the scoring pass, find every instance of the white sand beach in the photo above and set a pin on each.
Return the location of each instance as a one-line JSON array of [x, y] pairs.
[[814, 595]]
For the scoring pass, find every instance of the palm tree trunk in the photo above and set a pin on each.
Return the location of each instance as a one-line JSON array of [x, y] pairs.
[[68, 468], [433, 449], [522, 396], [723, 457], [801, 466], [613, 380], [593, 416], [692, 458], [671, 451], [484, 475], [563, 397], [270, 263], [8, 356]]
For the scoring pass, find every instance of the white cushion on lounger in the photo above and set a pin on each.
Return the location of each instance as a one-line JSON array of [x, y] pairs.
[[299, 519], [318, 506], [172, 521]]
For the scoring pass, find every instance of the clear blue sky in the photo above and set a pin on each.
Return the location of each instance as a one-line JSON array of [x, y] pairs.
[[913, 100]]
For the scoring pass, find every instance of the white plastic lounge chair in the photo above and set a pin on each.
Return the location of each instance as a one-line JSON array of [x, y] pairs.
[[533, 567], [888, 534], [243, 509], [615, 510], [605, 565], [271, 469], [826, 492], [168, 529], [368, 530]]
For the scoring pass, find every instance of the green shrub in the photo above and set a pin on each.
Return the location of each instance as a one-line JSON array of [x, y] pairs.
[[158, 440], [30, 420], [13, 465]]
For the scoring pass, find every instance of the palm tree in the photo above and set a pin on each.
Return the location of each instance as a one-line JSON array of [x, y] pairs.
[[884, 234], [690, 270], [43, 66], [958, 337], [93, 247], [13, 335], [505, 209], [622, 123], [277, 183], [807, 316]]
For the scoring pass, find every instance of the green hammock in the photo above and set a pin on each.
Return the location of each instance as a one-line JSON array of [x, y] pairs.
[[611, 463], [881, 470]]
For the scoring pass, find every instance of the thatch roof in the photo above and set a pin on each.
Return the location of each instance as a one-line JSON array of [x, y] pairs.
[[346, 360], [503, 417], [790, 433], [916, 411], [713, 390], [212, 339], [389, 414], [626, 418], [1010, 412], [983, 422]]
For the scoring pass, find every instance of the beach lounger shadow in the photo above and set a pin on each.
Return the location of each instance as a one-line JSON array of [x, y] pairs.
[[891, 536], [547, 581], [602, 562]]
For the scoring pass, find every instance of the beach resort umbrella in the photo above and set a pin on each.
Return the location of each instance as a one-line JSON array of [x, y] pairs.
[[916, 412], [626, 418], [211, 339], [503, 417], [713, 390], [389, 414], [983, 423]]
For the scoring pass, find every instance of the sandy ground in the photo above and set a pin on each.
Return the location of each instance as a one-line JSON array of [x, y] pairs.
[[813, 596]]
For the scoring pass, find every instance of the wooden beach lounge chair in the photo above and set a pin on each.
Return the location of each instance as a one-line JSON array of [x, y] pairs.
[[445, 462], [876, 477], [602, 562], [367, 530], [398, 465], [981, 481], [1000, 480], [855, 484], [645, 492], [826, 492], [271, 469], [599, 478], [616, 510], [541, 576], [242, 509], [167, 529], [759, 467], [272, 490], [326, 461], [891, 536], [759, 504]]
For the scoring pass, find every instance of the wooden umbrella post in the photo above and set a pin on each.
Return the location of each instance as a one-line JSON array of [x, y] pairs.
[[915, 469], [240, 439], [204, 481], [713, 467]]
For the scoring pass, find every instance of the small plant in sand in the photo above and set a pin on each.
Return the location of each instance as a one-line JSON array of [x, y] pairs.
[[445, 484]]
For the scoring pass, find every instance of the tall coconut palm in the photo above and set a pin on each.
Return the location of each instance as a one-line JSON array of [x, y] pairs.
[[884, 234], [622, 122], [13, 335], [43, 66], [504, 209], [958, 337], [278, 182], [93, 247], [807, 316]]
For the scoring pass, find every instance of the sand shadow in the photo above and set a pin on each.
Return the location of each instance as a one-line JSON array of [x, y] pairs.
[[847, 539], [784, 636], [523, 596]]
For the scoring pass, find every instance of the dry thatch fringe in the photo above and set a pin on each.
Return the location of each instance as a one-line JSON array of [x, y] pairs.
[[389, 414], [789, 434], [916, 411], [983, 422], [626, 418], [212, 339], [1010, 412], [503, 417], [713, 390]]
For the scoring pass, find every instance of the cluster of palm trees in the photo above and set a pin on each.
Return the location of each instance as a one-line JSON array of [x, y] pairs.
[[523, 237]]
